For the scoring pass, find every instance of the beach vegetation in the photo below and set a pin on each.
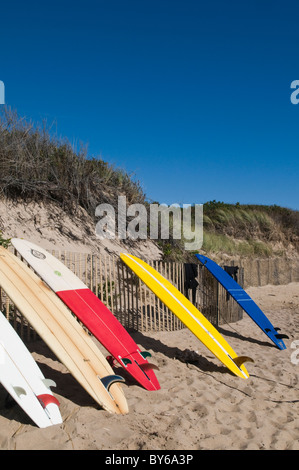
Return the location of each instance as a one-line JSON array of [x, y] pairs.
[[37, 165], [5, 242]]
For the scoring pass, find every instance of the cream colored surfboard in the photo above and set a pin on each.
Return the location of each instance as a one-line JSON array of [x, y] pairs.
[[55, 324]]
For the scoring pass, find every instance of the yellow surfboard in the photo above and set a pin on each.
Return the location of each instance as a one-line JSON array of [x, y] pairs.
[[188, 314]]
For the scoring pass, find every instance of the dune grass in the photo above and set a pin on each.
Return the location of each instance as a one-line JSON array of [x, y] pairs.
[[39, 166], [219, 243]]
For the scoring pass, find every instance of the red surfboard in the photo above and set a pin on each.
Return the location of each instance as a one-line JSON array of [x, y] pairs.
[[91, 311]]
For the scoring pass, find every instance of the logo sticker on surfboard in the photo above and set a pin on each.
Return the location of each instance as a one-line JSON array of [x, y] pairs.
[[38, 254]]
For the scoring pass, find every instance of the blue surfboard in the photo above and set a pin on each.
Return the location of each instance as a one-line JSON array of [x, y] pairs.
[[244, 300]]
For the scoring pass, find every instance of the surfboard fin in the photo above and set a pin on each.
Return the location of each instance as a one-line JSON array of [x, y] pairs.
[[281, 336], [49, 383], [20, 391], [113, 362], [145, 354], [45, 399], [126, 361], [148, 366], [241, 359], [110, 380], [278, 335]]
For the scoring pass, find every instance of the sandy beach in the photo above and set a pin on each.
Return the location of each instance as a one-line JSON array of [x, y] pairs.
[[200, 404]]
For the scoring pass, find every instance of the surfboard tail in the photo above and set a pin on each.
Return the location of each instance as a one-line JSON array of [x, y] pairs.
[[278, 337]]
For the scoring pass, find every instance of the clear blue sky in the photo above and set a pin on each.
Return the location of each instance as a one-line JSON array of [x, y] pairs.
[[193, 97]]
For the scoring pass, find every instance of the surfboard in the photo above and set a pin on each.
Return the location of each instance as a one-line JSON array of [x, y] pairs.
[[23, 379], [92, 312], [244, 300], [188, 314], [56, 325]]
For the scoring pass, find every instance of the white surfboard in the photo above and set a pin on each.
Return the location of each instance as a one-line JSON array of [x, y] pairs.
[[23, 379]]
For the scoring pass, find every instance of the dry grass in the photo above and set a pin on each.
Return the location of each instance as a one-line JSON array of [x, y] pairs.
[[37, 166]]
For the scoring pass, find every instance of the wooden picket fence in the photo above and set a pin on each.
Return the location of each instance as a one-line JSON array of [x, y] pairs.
[[127, 297]]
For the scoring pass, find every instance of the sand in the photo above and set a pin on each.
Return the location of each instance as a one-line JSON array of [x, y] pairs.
[[200, 404], [47, 225]]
